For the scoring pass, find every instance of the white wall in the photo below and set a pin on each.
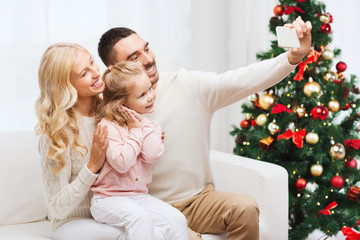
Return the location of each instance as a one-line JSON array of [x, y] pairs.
[[208, 35]]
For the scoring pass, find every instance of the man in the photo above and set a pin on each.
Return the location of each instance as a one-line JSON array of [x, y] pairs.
[[186, 102]]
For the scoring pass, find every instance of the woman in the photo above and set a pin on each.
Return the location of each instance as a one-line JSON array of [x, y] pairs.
[[72, 148]]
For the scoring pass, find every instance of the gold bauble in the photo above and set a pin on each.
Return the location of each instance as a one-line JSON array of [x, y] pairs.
[[334, 106], [273, 128], [248, 116], [266, 101], [254, 97], [324, 18], [337, 151], [311, 87], [300, 111], [261, 120], [316, 170], [327, 54], [312, 138], [330, 76]]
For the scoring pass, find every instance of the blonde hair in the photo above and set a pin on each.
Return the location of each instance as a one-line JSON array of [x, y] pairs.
[[119, 81], [54, 106]]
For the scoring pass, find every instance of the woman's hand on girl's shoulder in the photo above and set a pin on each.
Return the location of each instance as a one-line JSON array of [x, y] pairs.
[[98, 149]]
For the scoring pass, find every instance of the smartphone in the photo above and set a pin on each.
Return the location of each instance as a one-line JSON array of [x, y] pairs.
[[287, 37]]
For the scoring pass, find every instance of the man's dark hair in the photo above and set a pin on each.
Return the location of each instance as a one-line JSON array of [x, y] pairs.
[[109, 39]]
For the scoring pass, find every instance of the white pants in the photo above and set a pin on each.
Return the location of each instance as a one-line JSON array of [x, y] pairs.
[[142, 217]]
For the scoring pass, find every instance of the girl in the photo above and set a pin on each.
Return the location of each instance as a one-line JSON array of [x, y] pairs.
[[72, 147], [121, 196]]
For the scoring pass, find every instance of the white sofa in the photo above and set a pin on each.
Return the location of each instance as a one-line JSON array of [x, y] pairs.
[[23, 210]]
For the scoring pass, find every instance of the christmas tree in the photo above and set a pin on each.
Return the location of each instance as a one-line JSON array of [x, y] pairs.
[[308, 123]]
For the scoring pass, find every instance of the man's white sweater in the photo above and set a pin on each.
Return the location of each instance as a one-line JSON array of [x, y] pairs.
[[185, 104]]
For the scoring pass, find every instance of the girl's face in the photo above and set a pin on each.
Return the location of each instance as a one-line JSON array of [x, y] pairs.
[[85, 76], [142, 97]]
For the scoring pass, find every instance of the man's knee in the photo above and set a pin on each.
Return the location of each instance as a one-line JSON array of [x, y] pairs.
[[244, 206]]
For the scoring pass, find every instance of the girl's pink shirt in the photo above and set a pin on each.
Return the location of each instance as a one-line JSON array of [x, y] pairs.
[[127, 169]]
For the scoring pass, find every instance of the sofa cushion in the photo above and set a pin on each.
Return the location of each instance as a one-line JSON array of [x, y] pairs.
[[22, 198], [29, 231]]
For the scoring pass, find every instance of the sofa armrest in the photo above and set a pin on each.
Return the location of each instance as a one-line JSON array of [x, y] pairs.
[[267, 183]]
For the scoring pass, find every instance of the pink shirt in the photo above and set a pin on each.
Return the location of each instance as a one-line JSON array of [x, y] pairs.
[[127, 169]]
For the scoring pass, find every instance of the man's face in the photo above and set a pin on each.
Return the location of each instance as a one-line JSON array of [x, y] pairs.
[[133, 48]]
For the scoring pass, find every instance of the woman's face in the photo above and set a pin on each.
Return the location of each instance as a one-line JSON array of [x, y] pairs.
[[85, 76]]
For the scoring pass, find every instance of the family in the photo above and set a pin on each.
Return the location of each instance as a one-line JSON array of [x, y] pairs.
[[125, 154]]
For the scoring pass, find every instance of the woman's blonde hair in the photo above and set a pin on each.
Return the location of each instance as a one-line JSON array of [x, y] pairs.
[[119, 81], [54, 106]]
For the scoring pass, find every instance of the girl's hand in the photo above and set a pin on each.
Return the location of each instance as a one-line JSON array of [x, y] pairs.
[[131, 117], [98, 149]]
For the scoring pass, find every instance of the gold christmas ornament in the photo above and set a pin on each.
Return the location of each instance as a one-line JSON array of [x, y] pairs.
[[334, 105], [254, 97], [273, 127], [300, 111], [266, 101], [310, 88], [316, 170], [327, 54], [324, 18], [261, 120], [248, 116], [330, 76], [265, 143], [337, 151], [312, 138]]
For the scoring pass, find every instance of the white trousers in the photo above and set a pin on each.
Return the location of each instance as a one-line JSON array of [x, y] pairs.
[[141, 217]]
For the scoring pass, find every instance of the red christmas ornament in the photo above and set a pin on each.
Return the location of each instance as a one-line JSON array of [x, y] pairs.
[[300, 1], [278, 10], [330, 17], [352, 163], [341, 67], [337, 182], [245, 123], [300, 184], [319, 112], [346, 107], [325, 28], [353, 193]]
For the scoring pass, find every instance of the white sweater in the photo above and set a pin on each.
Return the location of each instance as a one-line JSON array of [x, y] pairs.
[[67, 194], [185, 104]]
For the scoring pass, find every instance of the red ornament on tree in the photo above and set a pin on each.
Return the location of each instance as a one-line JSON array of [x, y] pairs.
[[346, 107], [300, 1], [353, 193], [337, 182], [341, 67], [351, 163], [319, 112], [245, 123], [325, 28], [300, 184], [330, 17], [278, 10]]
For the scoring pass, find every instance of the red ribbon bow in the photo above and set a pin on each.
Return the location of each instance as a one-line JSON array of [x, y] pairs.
[[350, 233], [326, 211], [354, 143], [279, 108], [291, 9], [297, 137], [312, 57]]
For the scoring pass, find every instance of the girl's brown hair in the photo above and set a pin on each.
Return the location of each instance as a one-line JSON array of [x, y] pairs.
[[119, 81]]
